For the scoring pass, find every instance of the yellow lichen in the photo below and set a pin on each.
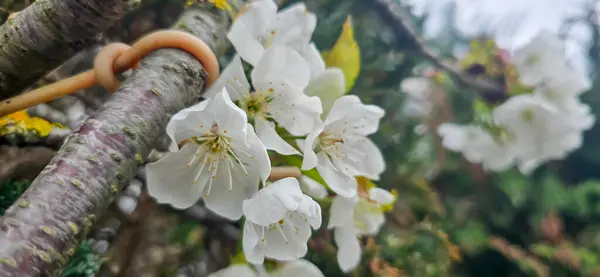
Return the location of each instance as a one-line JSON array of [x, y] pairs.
[[220, 4], [21, 122]]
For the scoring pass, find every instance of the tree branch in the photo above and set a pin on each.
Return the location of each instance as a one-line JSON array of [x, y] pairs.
[[104, 152], [47, 33], [399, 20]]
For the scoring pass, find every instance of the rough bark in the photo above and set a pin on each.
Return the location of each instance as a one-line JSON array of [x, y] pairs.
[[47, 33], [37, 239], [398, 20]]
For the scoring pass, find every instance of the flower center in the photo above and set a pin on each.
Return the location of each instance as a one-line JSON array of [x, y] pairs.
[[217, 155], [256, 104]]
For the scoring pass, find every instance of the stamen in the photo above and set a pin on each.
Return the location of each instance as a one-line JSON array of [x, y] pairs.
[[237, 159], [282, 233], [195, 156], [201, 169]]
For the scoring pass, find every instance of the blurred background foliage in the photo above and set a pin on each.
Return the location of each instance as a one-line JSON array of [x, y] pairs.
[[451, 217]]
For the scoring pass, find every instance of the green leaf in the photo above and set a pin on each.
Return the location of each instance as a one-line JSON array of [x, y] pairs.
[[553, 195], [515, 186], [472, 238]]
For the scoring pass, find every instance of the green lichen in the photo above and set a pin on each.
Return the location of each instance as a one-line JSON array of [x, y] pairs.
[[85, 263], [10, 192]]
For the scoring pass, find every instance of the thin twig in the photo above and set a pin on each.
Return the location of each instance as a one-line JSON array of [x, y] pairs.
[[399, 20]]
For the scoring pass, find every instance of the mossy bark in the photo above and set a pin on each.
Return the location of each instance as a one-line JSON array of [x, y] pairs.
[[47, 33], [40, 232]]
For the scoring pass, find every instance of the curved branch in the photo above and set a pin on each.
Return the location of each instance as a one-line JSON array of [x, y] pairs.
[[399, 20], [23, 163], [47, 33], [104, 152]]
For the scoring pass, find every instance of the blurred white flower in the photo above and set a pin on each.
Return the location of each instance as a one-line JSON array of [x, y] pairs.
[[278, 222], [541, 59], [342, 147], [477, 146], [260, 26], [539, 131], [418, 90], [355, 216], [278, 80], [222, 159]]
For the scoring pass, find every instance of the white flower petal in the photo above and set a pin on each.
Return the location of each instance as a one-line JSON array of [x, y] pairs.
[[268, 136], [310, 157], [349, 250], [312, 187], [273, 202], [454, 136], [381, 196], [350, 116], [281, 63], [254, 248], [328, 86], [342, 211], [229, 188], [295, 26], [233, 78], [314, 59], [280, 241], [374, 164], [291, 108], [230, 119], [189, 122], [297, 268], [311, 210], [248, 30], [339, 182], [254, 153], [235, 270], [170, 180], [368, 217]]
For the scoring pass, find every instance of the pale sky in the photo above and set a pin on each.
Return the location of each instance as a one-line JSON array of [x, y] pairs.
[[513, 22]]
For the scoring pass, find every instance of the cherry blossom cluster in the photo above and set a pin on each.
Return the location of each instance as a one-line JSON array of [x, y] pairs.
[[291, 104], [529, 129]]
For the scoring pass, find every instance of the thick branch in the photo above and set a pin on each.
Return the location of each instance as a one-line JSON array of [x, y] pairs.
[[399, 20], [103, 153], [47, 33]]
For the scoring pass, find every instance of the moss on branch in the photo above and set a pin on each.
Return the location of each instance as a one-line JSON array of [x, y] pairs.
[[73, 190]]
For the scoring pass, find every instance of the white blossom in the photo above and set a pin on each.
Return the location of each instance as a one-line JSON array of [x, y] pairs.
[[278, 80], [260, 26], [418, 90], [340, 150], [326, 83], [221, 160], [278, 222], [355, 216]]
